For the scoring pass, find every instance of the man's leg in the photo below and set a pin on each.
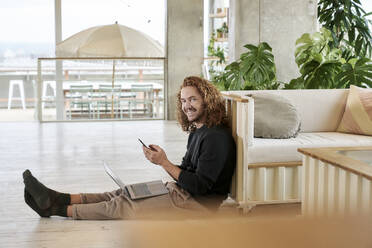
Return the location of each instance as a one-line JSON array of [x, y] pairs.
[[86, 198], [45, 197], [54, 210], [118, 207], [75, 199], [42, 195], [78, 206]]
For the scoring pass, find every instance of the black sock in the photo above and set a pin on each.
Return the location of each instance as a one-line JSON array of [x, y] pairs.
[[42, 195], [32, 204], [54, 210], [59, 210]]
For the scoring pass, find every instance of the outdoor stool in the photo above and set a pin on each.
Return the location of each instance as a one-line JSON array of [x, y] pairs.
[[34, 90], [21, 89], [51, 84]]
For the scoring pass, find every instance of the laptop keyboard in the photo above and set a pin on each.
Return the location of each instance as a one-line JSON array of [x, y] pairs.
[[141, 189]]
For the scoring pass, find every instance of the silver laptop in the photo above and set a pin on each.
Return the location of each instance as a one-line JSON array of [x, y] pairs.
[[138, 190]]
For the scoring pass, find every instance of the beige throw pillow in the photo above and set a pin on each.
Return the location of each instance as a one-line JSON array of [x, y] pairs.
[[275, 117], [357, 118]]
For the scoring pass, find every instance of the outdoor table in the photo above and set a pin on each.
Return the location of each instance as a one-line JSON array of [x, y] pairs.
[[125, 88]]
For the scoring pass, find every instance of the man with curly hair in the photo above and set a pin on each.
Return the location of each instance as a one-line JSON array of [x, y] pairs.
[[202, 181]]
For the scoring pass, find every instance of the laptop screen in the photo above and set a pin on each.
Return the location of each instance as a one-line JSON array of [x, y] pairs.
[[113, 176]]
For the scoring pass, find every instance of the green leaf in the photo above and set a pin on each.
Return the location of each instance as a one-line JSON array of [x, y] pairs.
[[257, 64], [356, 72], [317, 57], [297, 83], [352, 62], [254, 70], [351, 35], [347, 17]]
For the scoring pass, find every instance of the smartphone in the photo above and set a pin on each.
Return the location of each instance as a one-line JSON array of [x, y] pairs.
[[144, 144]]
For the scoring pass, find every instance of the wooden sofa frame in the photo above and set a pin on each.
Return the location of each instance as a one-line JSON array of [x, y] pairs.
[[258, 183]]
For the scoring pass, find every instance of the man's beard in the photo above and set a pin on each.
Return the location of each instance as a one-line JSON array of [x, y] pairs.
[[198, 117]]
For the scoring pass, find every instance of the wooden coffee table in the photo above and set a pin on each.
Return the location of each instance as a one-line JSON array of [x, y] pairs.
[[337, 180]]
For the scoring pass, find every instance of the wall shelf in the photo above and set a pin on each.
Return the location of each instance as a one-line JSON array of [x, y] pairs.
[[218, 22], [221, 40], [218, 15], [214, 58]]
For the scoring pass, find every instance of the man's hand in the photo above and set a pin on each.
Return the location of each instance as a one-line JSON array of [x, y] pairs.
[[155, 155]]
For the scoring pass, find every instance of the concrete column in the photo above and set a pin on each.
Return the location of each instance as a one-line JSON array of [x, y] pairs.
[[184, 46], [244, 26], [277, 22], [58, 38]]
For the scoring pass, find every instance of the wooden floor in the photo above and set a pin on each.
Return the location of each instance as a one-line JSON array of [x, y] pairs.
[[67, 157]]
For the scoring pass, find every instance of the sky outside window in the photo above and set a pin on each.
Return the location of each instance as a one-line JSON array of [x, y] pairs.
[[27, 21], [147, 16], [33, 20], [27, 26]]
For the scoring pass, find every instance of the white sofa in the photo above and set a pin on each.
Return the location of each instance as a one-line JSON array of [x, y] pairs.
[[269, 170]]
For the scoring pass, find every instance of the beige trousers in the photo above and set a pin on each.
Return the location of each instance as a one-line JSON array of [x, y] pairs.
[[118, 205]]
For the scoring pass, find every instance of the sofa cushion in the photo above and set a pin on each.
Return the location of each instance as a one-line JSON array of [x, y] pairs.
[[275, 117], [357, 118], [285, 150], [320, 110]]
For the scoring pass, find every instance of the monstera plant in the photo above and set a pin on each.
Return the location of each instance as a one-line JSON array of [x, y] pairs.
[[340, 54], [317, 61], [355, 72], [254, 70], [322, 66]]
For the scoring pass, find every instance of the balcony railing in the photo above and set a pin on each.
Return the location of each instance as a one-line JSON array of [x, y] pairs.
[[91, 89]]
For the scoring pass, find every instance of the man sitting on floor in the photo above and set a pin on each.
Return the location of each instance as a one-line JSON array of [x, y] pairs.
[[202, 180]]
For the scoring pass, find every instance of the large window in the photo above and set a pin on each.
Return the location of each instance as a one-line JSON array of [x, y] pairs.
[[27, 26], [28, 32]]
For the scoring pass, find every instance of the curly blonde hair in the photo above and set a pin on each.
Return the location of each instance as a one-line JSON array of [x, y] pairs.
[[213, 103]]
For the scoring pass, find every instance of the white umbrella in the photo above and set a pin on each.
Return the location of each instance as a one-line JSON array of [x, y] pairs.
[[109, 41]]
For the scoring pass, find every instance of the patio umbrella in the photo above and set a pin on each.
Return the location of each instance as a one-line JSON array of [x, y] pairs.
[[109, 41]]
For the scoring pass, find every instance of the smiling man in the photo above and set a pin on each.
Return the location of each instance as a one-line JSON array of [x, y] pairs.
[[202, 181], [209, 162]]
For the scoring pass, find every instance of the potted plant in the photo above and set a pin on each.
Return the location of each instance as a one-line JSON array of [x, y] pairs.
[[225, 30], [255, 70], [219, 33], [322, 66], [218, 57], [340, 54]]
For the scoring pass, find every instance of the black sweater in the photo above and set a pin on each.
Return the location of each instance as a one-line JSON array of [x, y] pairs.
[[209, 162]]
